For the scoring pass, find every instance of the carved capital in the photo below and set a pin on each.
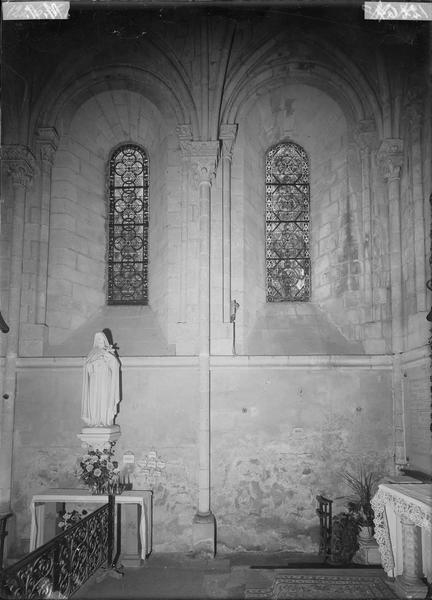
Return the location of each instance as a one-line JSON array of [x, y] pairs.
[[228, 133], [19, 163], [390, 158], [203, 157], [414, 106], [365, 136], [184, 134], [47, 142]]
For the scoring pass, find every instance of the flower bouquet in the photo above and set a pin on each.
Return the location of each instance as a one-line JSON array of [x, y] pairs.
[[99, 471], [69, 518]]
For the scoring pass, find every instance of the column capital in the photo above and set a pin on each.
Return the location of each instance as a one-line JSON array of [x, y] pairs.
[[47, 142], [365, 135], [390, 158], [203, 157], [19, 163], [414, 105], [184, 131], [228, 133]]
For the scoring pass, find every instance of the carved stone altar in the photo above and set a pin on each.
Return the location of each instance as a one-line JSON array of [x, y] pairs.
[[403, 528]]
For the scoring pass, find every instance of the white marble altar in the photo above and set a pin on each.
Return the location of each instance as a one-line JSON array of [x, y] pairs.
[[403, 529]]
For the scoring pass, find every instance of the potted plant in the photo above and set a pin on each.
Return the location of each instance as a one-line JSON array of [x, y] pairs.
[[364, 486], [344, 539]]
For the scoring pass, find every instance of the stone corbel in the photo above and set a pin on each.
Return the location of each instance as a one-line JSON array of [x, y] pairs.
[[47, 141], [365, 136], [414, 106], [390, 158], [228, 133], [19, 163], [204, 157], [184, 134]]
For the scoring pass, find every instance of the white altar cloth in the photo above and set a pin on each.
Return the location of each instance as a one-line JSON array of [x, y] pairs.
[[142, 498], [411, 501]]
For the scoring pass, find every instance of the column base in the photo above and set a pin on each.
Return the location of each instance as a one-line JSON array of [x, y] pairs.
[[408, 589], [204, 535]]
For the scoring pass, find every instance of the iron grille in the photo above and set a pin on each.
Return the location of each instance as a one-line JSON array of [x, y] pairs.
[[287, 223], [63, 564], [128, 226]]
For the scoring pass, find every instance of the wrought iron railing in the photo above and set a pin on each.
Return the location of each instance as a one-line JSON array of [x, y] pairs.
[[61, 566]]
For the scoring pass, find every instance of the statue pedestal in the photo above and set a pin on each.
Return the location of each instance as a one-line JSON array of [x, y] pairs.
[[98, 436]]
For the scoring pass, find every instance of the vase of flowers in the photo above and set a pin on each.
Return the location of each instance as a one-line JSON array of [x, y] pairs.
[[99, 471]]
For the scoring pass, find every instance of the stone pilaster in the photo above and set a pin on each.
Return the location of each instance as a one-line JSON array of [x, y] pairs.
[[19, 166], [227, 134]]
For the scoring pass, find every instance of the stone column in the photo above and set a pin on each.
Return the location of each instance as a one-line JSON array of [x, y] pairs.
[[228, 134], [366, 140], [414, 116], [47, 141], [18, 162], [390, 158], [204, 157], [184, 133], [410, 583]]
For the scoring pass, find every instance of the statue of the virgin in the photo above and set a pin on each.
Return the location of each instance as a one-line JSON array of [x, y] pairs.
[[101, 384]]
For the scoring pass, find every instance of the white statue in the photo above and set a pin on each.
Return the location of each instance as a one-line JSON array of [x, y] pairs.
[[101, 384]]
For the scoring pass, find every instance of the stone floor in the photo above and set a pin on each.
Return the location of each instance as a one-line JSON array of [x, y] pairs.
[[176, 576]]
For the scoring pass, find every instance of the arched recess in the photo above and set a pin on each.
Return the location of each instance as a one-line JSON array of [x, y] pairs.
[[316, 62], [58, 109], [308, 116], [90, 131]]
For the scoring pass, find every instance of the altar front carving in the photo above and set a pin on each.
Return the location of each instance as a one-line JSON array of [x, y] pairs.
[[403, 530]]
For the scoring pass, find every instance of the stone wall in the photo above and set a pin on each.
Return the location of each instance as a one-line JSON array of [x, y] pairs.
[[314, 386], [281, 434]]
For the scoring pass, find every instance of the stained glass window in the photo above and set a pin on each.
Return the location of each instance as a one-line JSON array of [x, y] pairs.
[[128, 226], [287, 223]]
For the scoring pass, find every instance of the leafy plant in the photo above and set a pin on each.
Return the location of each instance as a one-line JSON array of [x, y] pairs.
[[364, 486], [344, 539]]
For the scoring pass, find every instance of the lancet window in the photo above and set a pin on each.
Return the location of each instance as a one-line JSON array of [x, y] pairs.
[[287, 223], [128, 226]]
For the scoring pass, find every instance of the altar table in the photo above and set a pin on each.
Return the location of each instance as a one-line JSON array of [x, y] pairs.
[[143, 499], [403, 527]]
